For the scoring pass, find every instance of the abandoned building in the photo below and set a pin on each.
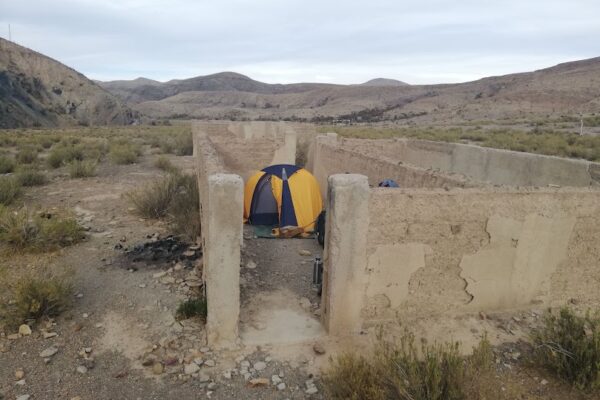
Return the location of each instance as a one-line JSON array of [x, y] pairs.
[[469, 229]]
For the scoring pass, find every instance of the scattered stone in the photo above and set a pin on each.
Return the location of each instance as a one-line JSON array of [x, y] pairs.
[[203, 377], [82, 369], [23, 397], [259, 366], [305, 303], [13, 336], [281, 386], [20, 383], [319, 349], [24, 330], [205, 349], [258, 382], [49, 352], [142, 285], [19, 374], [121, 374], [227, 374], [212, 386], [159, 274], [210, 363], [49, 335], [311, 390], [157, 368], [245, 364], [79, 295], [304, 252], [190, 369], [544, 382], [251, 264], [276, 380], [85, 315]]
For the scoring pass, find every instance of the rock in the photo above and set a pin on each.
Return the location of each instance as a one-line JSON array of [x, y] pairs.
[[544, 382], [281, 386], [227, 374], [157, 368], [205, 349], [49, 352], [49, 335], [159, 275], [245, 364], [304, 252], [319, 349], [258, 382], [82, 369], [24, 330], [13, 336], [20, 383], [190, 369], [203, 377], [210, 363], [23, 397], [19, 374], [259, 366], [276, 380], [85, 315], [311, 390], [212, 386], [142, 285], [250, 264], [178, 267], [305, 303]]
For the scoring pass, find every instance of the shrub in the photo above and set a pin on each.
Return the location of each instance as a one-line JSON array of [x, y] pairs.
[[163, 163], [10, 189], [184, 145], [21, 230], [27, 155], [184, 210], [406, 372], [569, 345], [195, 307], [82, 169], [123, 154], [35, 298], [7, 165], [154, 199], [31, 177]]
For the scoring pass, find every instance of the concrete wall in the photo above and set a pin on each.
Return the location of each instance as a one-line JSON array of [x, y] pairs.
[[221, 204], [330, 156], [499, 167]]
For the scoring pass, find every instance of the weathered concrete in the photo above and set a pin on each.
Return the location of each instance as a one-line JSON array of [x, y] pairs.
[[482, 164], [345, 255], [222, 258]]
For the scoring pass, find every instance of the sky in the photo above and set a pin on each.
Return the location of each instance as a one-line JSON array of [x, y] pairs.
[[285, 41]]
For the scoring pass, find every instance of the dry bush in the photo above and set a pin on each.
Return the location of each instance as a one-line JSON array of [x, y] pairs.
[[34, 298], [27, 155], [184, 145], [30, 176], [10, 189], [82, 169], [24, 230], [163, 163], [405, 371], [7, 165], [154, 199], [184, 210], [569, 345], [124, 154]]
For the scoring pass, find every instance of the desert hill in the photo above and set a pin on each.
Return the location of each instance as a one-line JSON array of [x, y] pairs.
[[36, 90], [566, 89]]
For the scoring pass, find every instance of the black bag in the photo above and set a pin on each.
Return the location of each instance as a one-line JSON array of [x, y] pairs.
[[321, 228]]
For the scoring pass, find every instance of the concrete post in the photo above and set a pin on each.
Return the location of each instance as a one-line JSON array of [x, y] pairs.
[[345, 255], [222, 258]]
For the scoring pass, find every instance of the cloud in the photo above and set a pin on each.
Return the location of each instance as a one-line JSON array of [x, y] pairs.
[[425, 41]]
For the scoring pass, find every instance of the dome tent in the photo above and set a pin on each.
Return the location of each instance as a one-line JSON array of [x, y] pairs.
[[283, 195]]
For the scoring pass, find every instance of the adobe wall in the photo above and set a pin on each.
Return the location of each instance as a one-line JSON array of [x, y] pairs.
[[432, 251], [495, 166], [331, 156]]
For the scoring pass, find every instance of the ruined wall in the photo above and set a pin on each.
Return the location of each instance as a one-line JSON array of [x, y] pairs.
[[331, 156], [500, 167], [436, 251]]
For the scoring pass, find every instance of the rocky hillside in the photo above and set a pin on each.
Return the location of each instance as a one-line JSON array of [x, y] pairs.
[[36, 90], [566, 89]]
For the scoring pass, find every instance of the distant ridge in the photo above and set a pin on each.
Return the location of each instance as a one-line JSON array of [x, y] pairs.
[[384, 82], [36, 90]]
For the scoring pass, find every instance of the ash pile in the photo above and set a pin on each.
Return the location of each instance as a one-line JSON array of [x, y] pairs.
[[161, 252]]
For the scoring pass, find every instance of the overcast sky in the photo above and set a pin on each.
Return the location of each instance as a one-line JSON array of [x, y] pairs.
[[343, 41]]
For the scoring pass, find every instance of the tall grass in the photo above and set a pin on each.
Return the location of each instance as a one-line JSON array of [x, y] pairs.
[[154, 199], [10, 190], [29, 176], [7, 165], [82, 169]]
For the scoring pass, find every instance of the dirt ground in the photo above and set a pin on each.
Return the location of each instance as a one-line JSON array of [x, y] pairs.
[[123, 315]]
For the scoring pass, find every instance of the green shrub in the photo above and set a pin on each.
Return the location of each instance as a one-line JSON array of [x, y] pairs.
[[154, 199], [31, 177], [123, 154], [82, 169], [195, 307], [163, 163], [569, 345], [36, 298], [27, 155], [10, 189], [7, 165], [184, 145], [184, 210], [406, 372], [22, 230]]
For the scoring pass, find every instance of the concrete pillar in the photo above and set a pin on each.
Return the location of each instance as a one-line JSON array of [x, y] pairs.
[[286, 154], [345, 255], [222, 258]]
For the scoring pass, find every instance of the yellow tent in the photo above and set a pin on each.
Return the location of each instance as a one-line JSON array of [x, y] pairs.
[[283, 195]]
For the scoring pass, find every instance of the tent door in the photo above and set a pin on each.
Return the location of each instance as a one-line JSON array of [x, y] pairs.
[[263, 208]]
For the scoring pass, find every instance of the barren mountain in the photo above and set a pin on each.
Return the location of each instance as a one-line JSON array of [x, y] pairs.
[[566, 89], [384, 82], [36, 90]]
